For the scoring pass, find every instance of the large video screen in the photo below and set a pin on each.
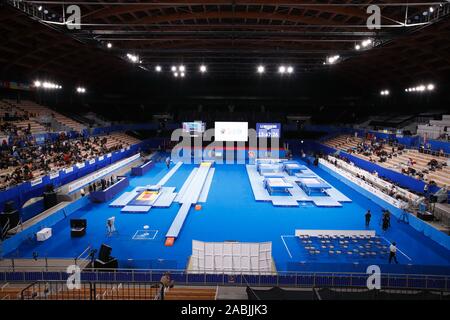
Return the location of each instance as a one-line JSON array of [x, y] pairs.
[[268, 130], [231, 131], [194, 128]]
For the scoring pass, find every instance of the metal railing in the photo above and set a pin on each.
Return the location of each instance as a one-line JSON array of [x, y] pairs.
[[58, 290], [282, 279]]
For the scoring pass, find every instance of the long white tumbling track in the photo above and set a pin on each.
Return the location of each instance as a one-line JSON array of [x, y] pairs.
[[190, 197]]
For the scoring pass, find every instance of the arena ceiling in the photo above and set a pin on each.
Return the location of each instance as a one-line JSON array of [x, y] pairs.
[[230, 37]]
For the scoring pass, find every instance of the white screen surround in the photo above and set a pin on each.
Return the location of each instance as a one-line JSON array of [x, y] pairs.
[[231, 257], [231, 131]]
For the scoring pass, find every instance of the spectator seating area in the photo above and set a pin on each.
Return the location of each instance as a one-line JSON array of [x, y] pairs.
[[39, 111], [18, 122], [431, 168], [27, 163], [435, 129], [388, 188], [36, 112]]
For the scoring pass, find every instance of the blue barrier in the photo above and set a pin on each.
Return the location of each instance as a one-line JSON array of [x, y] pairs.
[[399, 178], [438, 145], [32, 210], [14, 242], [416, 223], [143, 169], [109, 193], [334, 279]]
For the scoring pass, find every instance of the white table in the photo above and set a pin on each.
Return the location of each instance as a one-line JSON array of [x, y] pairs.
[[44, 234]]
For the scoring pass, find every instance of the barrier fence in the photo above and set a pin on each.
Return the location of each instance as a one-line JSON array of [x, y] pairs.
[[284, 279]]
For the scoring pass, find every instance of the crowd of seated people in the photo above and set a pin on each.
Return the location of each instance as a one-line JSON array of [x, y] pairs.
[[393, 192], [375, 149], [20, 164]]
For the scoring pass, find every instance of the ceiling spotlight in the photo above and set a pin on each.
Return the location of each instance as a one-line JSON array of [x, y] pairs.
[[109, 45], [333, 59], [431, 9], [173, 68], [182, 74], [202, 68], [158, 68], [357, 47], [175, 74], [133, 58], [282, 69], [290, 69], [261, 69], [366, 42], [37, 84], [384, 92], [40, 8], [430, 87], [81, 90], [181, 68]]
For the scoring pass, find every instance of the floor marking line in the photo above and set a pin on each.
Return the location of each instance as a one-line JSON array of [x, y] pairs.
[[285, 245], [154, 236], [397, 249]]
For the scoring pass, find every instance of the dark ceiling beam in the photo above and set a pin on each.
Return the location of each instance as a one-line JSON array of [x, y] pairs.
[[232, 15], [118, 10]]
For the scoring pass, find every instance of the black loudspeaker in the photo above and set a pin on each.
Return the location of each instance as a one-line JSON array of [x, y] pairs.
[[11, 219], [9, 206], [50, 200], [105, 253]]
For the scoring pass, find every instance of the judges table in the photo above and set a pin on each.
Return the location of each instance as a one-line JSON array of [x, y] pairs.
[[311, 185], [110, 192], [142, 169], [276, 185]]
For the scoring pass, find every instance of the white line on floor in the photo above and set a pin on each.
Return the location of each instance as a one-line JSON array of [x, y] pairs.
[[397, 249], [285, 245]]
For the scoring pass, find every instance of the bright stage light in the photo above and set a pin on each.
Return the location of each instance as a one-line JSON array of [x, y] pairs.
[[109, 45], [173, 68], [158, 68], [260, 69], [203, 68], [281, 69], [181, 68], [430, 87], [290, 69]]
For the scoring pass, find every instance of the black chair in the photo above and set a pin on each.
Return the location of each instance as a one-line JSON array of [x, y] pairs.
[[78, 227]]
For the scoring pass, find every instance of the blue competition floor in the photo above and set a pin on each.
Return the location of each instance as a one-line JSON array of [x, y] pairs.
[[231, 213]]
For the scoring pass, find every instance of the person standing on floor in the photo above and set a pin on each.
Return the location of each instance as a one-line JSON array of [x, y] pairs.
[[168, 162], [368, 216], [393, 252]]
